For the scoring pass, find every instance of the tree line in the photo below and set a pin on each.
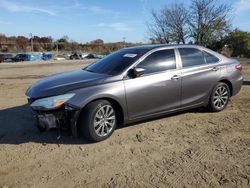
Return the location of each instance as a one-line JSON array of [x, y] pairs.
[[204, 22], [45, 44], [23, 44]]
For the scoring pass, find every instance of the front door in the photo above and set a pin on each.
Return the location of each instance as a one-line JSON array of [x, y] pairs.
[[158, 90]]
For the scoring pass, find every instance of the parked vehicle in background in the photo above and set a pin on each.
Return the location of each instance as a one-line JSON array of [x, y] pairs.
[[65, 55], [84, 55], [21, 57], [75, 56], [59, 58], [134, 84], [90, 56], [27, 57], [47, 57], [100, 56], [6, 57]]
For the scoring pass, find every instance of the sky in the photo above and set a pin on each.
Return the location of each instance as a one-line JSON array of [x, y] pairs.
[[85, 20]]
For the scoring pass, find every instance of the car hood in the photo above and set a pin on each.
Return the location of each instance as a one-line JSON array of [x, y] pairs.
[[63, 82]]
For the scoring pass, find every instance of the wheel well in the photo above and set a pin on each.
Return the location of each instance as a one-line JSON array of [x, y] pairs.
[[229, 85], [120, 117], [118, 108]]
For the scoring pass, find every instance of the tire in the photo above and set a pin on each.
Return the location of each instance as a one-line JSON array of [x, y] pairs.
[[219, 97], [98, 120]]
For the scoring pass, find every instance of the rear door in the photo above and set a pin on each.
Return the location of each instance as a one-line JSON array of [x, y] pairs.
[[200, 73], [158, 89]]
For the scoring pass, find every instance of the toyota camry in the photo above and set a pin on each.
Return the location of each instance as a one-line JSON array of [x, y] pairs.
[[134, 84]]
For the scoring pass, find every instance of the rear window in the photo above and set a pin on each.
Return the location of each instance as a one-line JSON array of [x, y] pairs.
[[191, 57]]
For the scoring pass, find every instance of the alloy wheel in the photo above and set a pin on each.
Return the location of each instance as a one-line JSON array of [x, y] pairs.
[[221, 97], [104, 120]]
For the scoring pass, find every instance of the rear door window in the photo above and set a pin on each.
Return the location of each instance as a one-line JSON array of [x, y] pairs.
[[210, 58], [159, 61], [191, 57]]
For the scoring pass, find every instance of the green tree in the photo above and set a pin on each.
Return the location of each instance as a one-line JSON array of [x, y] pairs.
[[239, 42]]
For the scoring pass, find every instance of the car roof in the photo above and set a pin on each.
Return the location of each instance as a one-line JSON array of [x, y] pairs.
[[155, 46], [147, 48]]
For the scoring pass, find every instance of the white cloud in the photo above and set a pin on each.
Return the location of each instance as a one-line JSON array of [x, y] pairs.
[[118, 26], [242, 6], [99, 10], [93, 9], [15, 7]]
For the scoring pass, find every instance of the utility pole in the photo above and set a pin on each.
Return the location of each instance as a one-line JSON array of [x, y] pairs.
[[124, 38], [31, 39], [57, 48]]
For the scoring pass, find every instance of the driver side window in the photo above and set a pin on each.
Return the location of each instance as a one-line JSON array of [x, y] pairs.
[[159, 61]]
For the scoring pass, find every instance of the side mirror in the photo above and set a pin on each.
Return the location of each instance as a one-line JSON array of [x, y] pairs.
[[138, 72]]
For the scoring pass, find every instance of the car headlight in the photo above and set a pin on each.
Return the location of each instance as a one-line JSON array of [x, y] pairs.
[[50, 103]]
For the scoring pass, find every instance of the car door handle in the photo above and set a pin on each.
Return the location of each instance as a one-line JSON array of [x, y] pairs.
[[215, 69], [175, 77]]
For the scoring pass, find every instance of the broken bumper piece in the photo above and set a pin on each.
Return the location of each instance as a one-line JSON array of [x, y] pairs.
[[47, 121], [64, 118]]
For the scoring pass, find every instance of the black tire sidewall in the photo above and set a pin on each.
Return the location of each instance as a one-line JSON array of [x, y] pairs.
[[87, 121], [211, 103]]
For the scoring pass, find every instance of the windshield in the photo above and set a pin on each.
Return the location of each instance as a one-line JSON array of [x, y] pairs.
[[116, 62]]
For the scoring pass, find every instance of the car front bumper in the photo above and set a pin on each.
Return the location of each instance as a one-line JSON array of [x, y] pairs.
[[64, 118]]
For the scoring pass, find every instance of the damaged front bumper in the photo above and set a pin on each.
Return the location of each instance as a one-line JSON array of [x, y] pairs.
[[64, 118]]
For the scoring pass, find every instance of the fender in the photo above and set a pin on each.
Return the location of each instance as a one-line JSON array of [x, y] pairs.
[[112, 90]]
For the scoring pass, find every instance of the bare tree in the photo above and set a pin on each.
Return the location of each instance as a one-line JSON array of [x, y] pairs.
[[177, 21], [157, 29], [169, 24], [208, 21]]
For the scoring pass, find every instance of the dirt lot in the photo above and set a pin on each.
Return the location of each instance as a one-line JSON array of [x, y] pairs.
[[189, 149]]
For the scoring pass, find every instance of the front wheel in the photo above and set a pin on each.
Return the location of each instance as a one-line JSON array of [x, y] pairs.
[[219, 97], [98, 120]]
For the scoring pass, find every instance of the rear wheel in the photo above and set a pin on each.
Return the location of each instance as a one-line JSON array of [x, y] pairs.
[[98, 121], [219, 97]]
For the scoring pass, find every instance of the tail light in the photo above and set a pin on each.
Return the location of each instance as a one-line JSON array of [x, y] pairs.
[[238, 67]]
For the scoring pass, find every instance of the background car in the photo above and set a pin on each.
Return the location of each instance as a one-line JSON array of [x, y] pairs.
[[6, 57], [75, 56], [47, 57], [27, 57]]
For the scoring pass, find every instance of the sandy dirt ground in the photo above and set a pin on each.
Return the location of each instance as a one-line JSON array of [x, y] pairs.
[[189, 149]]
